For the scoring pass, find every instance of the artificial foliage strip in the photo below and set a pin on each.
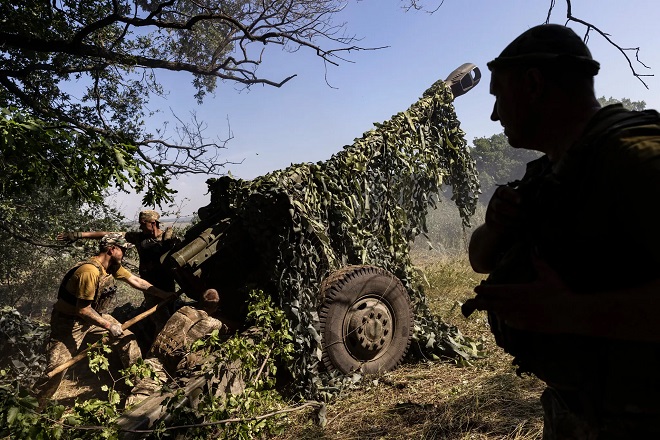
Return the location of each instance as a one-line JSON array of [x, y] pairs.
[[364, 205]]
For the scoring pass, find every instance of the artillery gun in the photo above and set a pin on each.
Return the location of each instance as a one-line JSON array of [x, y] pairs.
[[330, 240], [330, 243]]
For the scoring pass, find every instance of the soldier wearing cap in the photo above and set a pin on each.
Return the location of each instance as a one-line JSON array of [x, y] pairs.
[[573, 257], [151, 243], [83, 297]]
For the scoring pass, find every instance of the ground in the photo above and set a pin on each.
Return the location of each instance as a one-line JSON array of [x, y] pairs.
[[482, 400]]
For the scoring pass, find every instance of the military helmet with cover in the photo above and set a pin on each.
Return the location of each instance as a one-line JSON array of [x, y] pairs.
[[148, 216], [114, 239]]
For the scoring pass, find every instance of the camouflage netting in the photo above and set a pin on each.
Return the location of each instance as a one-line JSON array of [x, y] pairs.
[[364, 205]]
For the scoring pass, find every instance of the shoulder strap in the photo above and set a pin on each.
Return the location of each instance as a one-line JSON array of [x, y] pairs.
[[64, 294], [94, 263], [600, 131], [617, 119]]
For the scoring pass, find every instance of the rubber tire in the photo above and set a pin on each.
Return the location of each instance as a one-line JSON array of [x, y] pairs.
[[365, 288]]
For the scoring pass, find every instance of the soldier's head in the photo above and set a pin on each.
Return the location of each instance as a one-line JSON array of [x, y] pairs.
[[115, 245], [539, 65], [210, 301], [552, 47], [149, 223]]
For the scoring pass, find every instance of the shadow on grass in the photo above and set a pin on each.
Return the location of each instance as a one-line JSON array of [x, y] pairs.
[[499, 407], [502, 406]]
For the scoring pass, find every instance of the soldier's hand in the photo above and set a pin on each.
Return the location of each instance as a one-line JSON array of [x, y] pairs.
[[116, 330], [167, 295], [69, 236], [545, 304], [504, 212]]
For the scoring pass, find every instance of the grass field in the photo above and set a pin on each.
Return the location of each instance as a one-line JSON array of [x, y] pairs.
[[484, 400], [437, 400]]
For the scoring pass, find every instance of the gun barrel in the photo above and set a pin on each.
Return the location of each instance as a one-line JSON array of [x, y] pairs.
[[195, 252]]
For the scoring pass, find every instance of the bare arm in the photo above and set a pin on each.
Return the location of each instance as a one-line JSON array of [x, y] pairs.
[[71, 236], [146, 287], [489, 240], [84, 310], [485, 247]]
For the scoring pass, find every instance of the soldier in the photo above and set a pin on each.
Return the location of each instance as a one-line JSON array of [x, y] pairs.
[[571, 250], [170, 353], [84, 294], [152, 243]]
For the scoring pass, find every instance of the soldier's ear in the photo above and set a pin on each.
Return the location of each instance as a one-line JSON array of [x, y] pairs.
[[535, 83]]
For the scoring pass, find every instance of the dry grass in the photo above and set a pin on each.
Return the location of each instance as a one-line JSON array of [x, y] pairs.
[[437, 400], [425, 400]]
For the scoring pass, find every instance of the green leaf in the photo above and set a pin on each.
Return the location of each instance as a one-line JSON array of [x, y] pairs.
[[12, 414]]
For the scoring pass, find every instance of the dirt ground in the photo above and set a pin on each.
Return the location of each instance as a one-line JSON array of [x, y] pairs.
[[80, 383]]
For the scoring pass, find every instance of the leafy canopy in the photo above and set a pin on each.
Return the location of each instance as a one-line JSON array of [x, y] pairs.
[[76, 77]]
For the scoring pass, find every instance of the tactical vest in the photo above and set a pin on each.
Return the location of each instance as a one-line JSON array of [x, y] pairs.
[[105, 288], [150, 251]]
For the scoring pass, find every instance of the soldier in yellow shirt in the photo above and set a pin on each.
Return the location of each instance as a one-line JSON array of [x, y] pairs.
[[151, 243], [83, 297]]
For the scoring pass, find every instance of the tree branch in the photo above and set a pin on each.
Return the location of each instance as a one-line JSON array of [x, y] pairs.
[[5, 226], [308, 404], [570, 17]]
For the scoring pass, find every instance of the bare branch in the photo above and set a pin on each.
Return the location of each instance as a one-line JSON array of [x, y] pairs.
[[8, 228], [418, 6], [570, 17], [308, 404]]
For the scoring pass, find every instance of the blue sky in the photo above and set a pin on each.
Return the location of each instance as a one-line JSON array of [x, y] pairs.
[[308, 121]]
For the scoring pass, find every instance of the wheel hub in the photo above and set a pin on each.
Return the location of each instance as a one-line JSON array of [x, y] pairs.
[[369, 328]]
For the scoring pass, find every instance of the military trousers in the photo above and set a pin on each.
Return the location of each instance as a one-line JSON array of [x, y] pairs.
[[66, 337]]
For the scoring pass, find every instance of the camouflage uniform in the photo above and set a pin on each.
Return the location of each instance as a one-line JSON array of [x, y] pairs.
[[150, 250], [589, 218], [67, 331], [170, 353]]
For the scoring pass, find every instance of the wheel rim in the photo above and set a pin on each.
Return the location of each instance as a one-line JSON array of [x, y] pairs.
[[368, 328]]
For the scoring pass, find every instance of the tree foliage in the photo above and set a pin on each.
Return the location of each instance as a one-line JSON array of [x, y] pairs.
[[498, 163], [76, 77], [627, 103], [31, 263]]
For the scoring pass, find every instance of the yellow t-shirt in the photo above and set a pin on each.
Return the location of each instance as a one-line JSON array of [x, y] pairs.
[[85, 279]]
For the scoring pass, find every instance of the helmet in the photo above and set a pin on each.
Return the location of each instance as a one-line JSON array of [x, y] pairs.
[[148, 216], [114, 239], [548, 44]]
